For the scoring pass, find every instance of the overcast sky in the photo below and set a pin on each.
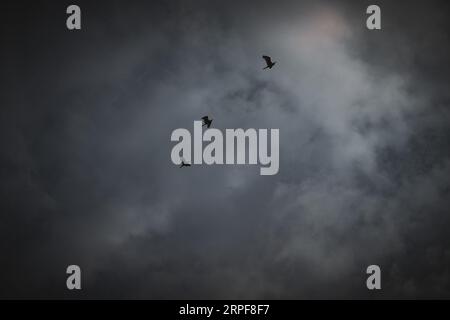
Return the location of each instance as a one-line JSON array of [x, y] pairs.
[[87, 179]]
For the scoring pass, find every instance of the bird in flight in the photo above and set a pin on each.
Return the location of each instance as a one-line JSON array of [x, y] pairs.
[[206, 121], [184, 164], [269, 62]]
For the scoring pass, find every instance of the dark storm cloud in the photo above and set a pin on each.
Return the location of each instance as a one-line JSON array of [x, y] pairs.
[[364, 152]]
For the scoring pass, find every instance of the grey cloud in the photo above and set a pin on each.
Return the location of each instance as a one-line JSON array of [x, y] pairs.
[[364, 154]]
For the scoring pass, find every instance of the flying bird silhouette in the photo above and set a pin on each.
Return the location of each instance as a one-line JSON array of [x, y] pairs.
[[184, 164], [269, 62], [206, 121]]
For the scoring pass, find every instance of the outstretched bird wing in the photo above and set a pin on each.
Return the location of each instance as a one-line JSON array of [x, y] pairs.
[[268, 60]]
